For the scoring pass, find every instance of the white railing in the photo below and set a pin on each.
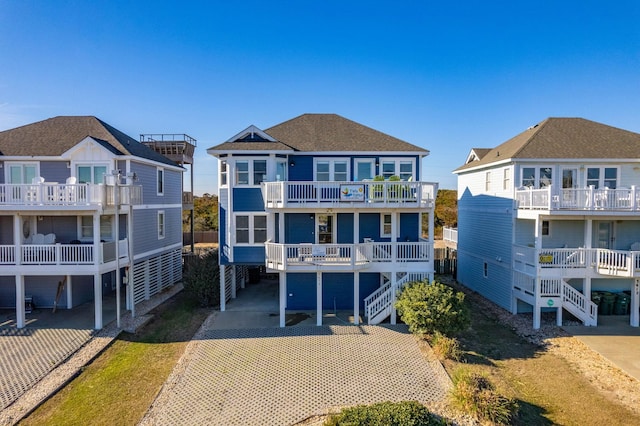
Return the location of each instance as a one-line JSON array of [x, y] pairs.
[[381, 299], [280, 256], [550, 287], [61, 254], [450, 234], [579, 305], [283, 194], [55, 194], [625, 199]]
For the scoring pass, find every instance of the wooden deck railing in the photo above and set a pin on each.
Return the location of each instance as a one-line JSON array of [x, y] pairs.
[[302, 194], [61, 194], [61, 254], [621, 199]]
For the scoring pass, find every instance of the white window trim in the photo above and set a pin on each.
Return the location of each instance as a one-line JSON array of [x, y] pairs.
[[225, 173], [382, 233], [106, 166], [251, 229], [506, 179], [371, 161], [536, 174], [250, 171], [90, 238], [601, 178], [162, 231], [158, 170], [8, 164], [485, 269], [487, 181], [397, 161], [331, 161], [548, 234]]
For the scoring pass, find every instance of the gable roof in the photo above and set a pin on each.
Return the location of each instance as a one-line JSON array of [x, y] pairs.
[[559, 138], [477, 154], [55, 136], [323, 133]]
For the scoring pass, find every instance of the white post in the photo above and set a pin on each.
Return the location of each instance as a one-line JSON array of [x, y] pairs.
[[69, 292], [234, 277], [319, 298], [356, 298], [223, 296], [283, 298], [132, 303], [97, 296], [394, 289], [634, 320], [536, 306], [20, 314], [116, 201], [432, 241]]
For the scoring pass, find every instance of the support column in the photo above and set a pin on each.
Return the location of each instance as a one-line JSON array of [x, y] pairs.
[[97, 297], [356, 227], [223, 296], [69, 292], [559, 316], [432, 240], [634, 320], [318, 298], [283, 298], [20, 314], [394, 288], [234, 277], [536, 306], [356, 298]]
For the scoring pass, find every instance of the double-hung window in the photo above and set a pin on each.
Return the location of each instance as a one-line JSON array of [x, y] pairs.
[[537, 177], [161, 225], [251, 228], [160, 174], [250, 172], [385, 225], [331, 170], [86, 228], [602, 177], [403, 168]]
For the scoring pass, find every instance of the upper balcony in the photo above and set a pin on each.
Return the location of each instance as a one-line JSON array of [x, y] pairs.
[[583, 199], [177, 147], [48, 195], [365, 194]]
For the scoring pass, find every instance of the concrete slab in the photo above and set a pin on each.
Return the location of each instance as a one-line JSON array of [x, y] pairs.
[[614, 339]]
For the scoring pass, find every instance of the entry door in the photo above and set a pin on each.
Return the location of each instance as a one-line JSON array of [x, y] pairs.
[[325, 227], [569, 184], [605, 235]]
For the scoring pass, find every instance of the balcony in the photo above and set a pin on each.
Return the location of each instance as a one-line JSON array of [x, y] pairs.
[[60, 255], [450, 235], [51, 194], [576, 262], [346, 257], [366, 194], [584, 199]]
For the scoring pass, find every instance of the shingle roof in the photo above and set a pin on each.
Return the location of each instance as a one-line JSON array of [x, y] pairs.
[[54, 136], [558, 138], [324, 133]]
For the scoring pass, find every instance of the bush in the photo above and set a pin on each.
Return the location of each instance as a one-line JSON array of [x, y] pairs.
[[446, 347], [430, 308], [406, 413], [202, 278], [473, 394]]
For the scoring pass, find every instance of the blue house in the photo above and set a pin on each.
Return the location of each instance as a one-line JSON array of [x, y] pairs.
[[549, 220], [85, 212], [333, 207]]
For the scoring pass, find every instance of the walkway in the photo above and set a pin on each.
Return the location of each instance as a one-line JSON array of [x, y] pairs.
[[281, 376]]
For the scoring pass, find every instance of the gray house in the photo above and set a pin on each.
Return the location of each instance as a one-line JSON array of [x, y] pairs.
[[86, 212]]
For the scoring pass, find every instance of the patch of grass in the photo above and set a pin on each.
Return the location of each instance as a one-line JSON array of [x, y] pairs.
[[119, 386], [445, 347], [405, 413]]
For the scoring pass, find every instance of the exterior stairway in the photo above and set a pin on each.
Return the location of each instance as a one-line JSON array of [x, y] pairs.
[[579, 305], [379, 304]]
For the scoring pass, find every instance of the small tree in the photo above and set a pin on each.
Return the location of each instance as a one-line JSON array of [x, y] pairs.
[[202, 278], [428, 308]]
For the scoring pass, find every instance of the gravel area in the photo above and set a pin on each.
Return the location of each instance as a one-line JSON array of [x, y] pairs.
[[69, 369]]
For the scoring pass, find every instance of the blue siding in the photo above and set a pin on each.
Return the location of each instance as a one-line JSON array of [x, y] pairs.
[[337, 291], [276, 238], [247, 200], [345, 228], [7, 292], [301, 291], [6, 224], [370, 226], [145, 229], [299, 228], [222, 235], [81, 290], [64, 227], [54, 171], [303, 168], [369, 282], [148, 178], [245, 255], [409, 225]]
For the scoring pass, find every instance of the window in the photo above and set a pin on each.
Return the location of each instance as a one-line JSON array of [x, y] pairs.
[[251, 229], [21, 173], [487, 181], [86, 228], [602, 177], [398, 167], [251, 172], [385, 225], [545, 227], [485, 270], [332, 170], [281, 170], [160, 181], [259, 171], [506, 179], [242, 173], [537, 177], [91, 173], [161, 227], [223, 173], [365, 169]]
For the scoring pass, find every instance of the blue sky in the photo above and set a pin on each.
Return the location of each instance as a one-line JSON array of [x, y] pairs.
[[447, 76]]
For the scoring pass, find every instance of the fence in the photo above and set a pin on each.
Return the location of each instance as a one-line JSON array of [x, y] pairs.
[[200, 237], [445, 261]]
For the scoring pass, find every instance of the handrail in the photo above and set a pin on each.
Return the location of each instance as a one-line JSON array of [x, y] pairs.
[[590, 198], [63, 194], [61, 254]]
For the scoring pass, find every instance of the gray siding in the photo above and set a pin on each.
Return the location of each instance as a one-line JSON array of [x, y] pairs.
[[145, 229], [54, 171], [148, 178]]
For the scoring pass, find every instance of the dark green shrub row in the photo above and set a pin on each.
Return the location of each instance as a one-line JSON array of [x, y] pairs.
[[201, 278], [405, 413]]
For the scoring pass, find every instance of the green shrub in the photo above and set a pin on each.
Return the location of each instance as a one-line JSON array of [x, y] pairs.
[[445, 347], [201, 278], [430, 308], [406, 413], [473, 394]]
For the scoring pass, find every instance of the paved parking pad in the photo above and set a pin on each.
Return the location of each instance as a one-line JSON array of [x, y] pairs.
[[280, 376], [27, 355]]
